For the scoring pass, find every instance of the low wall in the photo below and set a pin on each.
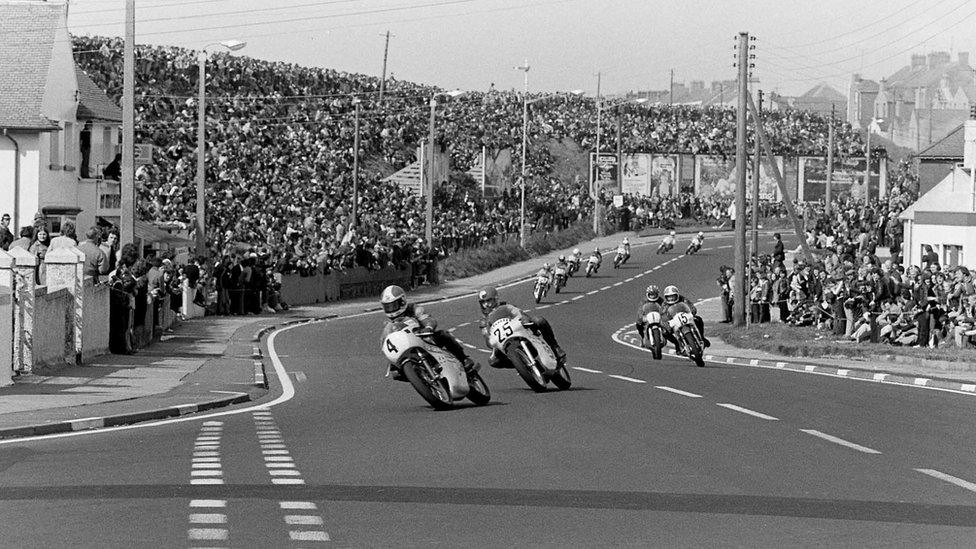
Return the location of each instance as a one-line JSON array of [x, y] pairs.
[[338, 285], [95, 330], [53, 335], [6, 337]]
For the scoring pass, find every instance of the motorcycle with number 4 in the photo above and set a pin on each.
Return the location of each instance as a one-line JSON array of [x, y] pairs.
[[690, 342], [532, 357], [437, 375], [562, 275], [653, 334], [541, 288]]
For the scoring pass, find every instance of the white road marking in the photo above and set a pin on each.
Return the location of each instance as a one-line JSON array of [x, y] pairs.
[[747, 411], [921, 381], [840, 441], [206, 473], [208, 518], [617, 284], [842, 372], [268, 459], [968, 387], [205, 465], [284, 473], [270, 446], [207, 533], [949, 478], [297, 505], [206, 481], [280, 465], [603, 289], [274, 452], [304, 520], [216, 503], [586, 370], [625, 378], [207, 453], [577, 298], [543, 307], [287, 481], [309, 536], [676, 391], [593, 292]]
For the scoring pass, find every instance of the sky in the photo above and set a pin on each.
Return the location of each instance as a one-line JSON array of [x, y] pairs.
[[633, 44]]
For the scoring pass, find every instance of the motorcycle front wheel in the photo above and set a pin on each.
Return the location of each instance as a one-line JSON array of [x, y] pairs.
[[433, 390], [694, 349], [656, 345], [526, 367], [478, 392]]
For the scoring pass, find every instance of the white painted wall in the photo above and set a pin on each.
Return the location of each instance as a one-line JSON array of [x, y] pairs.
[[30, 155], [939, 236]]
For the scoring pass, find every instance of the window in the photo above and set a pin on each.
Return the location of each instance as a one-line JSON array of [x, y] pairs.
[[69, 148], [952, 255], [84, 141], [55, 152]]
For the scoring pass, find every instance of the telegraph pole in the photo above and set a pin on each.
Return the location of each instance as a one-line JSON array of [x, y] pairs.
[[386, 51], [755, 183], [596, 163], [830, 162], [740, 291], [355, 169], [127, 183], [867, 165], [671, 101]]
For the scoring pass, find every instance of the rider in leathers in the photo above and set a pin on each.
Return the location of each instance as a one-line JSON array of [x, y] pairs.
[[675, 303], [493, 310], [403, 314], [654, 303]]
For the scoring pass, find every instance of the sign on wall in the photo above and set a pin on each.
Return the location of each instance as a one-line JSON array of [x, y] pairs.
[[847, 179], [603, 174], [636, 174], [664, 175]]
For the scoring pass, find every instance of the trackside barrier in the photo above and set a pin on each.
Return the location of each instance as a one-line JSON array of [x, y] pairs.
[[348, 284]]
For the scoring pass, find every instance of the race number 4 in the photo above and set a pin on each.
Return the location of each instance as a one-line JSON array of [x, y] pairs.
[[390, 347]]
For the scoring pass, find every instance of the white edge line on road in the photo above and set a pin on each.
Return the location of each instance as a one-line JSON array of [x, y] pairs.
[[840, 441], [587, 370], [746, 411], [625, 378], [677, 391], [949, 478]]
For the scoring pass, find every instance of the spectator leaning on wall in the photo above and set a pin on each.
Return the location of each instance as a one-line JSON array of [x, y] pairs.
[[96, 264]]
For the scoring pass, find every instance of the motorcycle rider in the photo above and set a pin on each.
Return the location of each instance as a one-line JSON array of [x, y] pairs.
[[547, 272], [402, 314], [561, 264], [575, 259], [626, 245], [668, 242], [697, 241], [654, 303], [492, 310], [599, 258], [675, 303]]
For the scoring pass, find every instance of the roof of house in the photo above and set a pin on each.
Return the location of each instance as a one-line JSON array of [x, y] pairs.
[[953, 194], [93, 103], [823, 92], [27, 34], [950, 146], [867, 86]]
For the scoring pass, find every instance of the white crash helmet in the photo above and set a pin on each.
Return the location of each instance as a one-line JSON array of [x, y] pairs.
[[576, 251], [670, 295], [701, 234], [562, 258], [394, 301], [672, 233], [626, 241]]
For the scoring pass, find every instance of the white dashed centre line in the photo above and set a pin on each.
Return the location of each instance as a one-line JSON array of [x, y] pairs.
[[577, 298], [593, 292], [605, 288], [949, 478], [625, 378], [840, 441], [677, 391], [747, 411], [587, 370]]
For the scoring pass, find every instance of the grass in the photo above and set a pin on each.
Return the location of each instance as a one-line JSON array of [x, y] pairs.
[[493, 256], [786, 340]]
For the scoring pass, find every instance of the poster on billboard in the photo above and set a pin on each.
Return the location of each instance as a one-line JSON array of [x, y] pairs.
[[636, 175], [768, 188], [714, 177], [664, 175], [603, 174], [847, 180]]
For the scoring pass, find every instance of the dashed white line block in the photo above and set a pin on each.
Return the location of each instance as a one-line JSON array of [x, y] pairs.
[[840, 441]]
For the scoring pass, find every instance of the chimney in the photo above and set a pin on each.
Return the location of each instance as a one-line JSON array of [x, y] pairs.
[[969, 151], [938, 58], [918, 61], [964, 58]]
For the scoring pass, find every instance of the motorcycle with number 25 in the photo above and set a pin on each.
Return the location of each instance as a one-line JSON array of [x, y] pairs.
[[437, 375], [532, 357]]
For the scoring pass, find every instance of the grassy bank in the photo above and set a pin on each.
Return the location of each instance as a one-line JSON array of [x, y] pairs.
[[493, 256], [786, 340]]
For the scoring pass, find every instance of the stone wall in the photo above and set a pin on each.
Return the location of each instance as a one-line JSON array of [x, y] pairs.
[[337, 285], [53, 327], [95, 334]]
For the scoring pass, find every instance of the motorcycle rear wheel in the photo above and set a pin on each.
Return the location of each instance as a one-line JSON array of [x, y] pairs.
[[561, 378], [478, 392], [527, 370], [434, 391]]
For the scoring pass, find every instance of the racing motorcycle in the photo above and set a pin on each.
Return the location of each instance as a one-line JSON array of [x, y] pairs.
[[591, 265], [619, 258], [541, 287], [665, 247], [689, 340], [653, 334], [436, 374], [693, 247], [574, 265], [532, 357], [562, 275]]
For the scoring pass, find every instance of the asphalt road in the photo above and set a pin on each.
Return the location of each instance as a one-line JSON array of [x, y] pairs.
[[637, 453]]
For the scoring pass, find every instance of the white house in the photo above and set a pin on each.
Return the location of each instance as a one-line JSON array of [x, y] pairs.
[[945, 217], [56, 127]]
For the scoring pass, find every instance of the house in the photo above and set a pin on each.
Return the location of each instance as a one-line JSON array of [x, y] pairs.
[[861, 96], [945, 217], [57, 129], [939, 159]]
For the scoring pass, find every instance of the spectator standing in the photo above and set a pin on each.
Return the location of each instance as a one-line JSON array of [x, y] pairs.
[[109, 246], [724, 283], [6, 237], [25, 240], [68, 238], [781, 293], [42, 240], [96, 264]]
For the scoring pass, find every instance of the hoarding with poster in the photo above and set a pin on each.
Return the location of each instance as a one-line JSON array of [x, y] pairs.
[[768, 187], [714, 177], [603, 174], [636, 175], [664, 175], [847, 179]]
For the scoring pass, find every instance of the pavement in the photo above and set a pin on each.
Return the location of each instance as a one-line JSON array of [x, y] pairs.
[[213, 362]]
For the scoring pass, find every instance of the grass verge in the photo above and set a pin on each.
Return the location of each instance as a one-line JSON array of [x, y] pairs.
[[793, 341]]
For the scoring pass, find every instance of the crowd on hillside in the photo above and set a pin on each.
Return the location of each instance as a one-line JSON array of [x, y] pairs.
[[280, 154]]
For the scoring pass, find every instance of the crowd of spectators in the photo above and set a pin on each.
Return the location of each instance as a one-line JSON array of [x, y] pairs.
[[280, 154]]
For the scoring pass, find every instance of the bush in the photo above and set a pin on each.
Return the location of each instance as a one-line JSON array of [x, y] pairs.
[[493, 256]]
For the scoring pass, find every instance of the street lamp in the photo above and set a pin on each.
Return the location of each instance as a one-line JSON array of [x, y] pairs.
[[599, 113], [355, 167], [429, 183], [201, 224], [525, 133]]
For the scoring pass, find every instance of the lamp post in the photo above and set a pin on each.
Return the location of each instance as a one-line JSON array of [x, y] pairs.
[[355, 167], [429, 179], [595, 190], [201, 224], [525, 134]]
